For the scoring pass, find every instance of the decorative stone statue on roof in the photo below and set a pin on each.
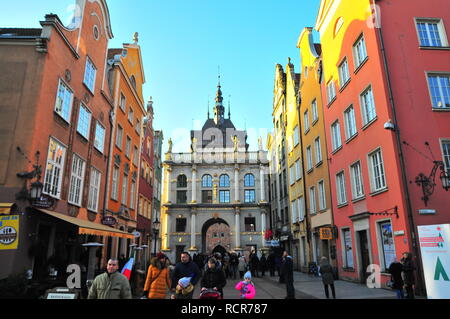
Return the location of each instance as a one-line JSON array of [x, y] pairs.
[[235, 142], [170, 146], [260, 145], [193, 145]]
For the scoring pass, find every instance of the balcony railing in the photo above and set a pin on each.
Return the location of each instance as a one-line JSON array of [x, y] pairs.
[[218, 157]]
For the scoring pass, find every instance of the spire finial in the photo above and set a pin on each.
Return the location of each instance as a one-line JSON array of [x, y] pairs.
[[136, 37], [229, 107], [208, 105]]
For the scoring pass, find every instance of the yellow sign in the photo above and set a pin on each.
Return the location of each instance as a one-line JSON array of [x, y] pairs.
[[326, 233], [9, 232]]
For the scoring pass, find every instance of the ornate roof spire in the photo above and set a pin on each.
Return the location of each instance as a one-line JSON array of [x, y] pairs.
[[219, 110]]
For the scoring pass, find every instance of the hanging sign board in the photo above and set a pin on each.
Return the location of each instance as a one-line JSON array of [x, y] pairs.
[[435, 250], [326, 233]]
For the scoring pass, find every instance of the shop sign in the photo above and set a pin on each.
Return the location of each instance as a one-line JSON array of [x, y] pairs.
[[109, 221], [326, 233], [434, 246], [9, 232], [284, 238], [272, 243], [136, 234], [44, 201]]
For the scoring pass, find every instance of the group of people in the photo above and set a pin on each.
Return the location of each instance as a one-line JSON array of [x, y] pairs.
[[402, 276]]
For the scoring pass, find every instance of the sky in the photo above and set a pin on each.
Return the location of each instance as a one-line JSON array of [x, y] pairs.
[[184, 45]]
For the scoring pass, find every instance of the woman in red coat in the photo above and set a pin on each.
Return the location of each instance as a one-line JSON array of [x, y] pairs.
[[158, 282]]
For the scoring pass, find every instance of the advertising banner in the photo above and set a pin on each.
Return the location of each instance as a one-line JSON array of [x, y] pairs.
[[9, 232], [434, 246]]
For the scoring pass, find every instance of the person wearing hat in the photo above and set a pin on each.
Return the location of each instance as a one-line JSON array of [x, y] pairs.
[[184, 288], [158, 282], [185, 268], [246, 287]]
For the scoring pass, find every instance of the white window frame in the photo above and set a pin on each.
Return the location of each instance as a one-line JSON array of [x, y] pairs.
[[341, 188], [53, 179], [135, 155], [318, 150], [89, 79], [357, 56], [344, 73], [80, 120], [368, 115], [124, 199], [306, 121], [345, 260], [440, 88], [128, 146], [296, 136], [446, 153], [336, 135], [372, 173], [97, 140], [331, 91], [119, 137], [115, 182], [291, 175], [315, 112], [301, 208], [309, 158], [61, 102], [94, 189], [133, 194], [350, 122], [75, 196], [440, 28], [312, 200], [130, 115], [123, 102], [298, 170], [322, 195], [294, 211], [357, 180]]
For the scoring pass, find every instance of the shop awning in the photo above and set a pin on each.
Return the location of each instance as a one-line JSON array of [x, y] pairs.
[[89, 228], [5, 208]]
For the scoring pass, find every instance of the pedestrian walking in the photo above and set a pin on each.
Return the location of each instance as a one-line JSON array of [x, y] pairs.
[[262, 265], [242, 266], [213, 278], [287, 272], [408, 268], [158, 278], [246, 287], [271, 263], [184, 269], [326, 271], [111, 284], [254, 261], [234, 262], [395, 269], [278, 267]]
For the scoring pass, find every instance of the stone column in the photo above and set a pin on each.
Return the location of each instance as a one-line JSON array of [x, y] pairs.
[[169, 183], [263, 226], [167, 231], [236, 183], [193, 222], [237, 230], [262, 184], [194, 184]]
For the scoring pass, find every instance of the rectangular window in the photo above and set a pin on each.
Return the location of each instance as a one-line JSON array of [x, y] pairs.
[[224, 196], [359, 51], [296, 136], [387, 244], [367, 106], [250, 224], [89, 75], [340, 187], [119, 137], [94, 189], [336, 135], [344, 74], [128, 147], [315, 113], [133, 194], [99, 141], [306, 121], [301, 208], [312, 200], [439, 85], [249, 196], [130, 115], [138, 127], [180, 226], [125, 189], [350, 122], [123, 102], [294, 211], [84, 121], [357, 182], [76, 181], [54, 169], [309, 158], [347, 256], [115, 183], [331, 91], [431, 33], [318, 150], [291, 174], [446, 155], [322, 196], [298, 170], [207, 196], [63, 105], [181, 197], [376, 166], [135, 156]]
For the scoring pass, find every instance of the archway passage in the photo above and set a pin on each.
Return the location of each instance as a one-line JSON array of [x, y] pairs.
[[219, 249], [215, 233]]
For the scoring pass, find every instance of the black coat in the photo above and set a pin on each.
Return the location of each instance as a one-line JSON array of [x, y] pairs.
[[408, 271], [287, 269], [214, 278], [395, 269], [190, 269]]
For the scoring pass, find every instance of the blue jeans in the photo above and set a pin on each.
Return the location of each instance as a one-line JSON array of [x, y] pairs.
[[400, 294]]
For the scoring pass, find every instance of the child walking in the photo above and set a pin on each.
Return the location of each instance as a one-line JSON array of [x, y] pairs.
[[246, 287]]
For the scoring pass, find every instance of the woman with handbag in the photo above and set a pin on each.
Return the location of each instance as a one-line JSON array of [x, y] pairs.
[[396, 282], [158, 282]]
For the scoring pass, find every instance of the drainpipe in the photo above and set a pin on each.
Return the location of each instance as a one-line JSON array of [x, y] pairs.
[[412, 226]]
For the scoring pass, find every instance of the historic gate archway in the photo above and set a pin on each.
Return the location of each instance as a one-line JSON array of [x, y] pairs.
[[215, 233]]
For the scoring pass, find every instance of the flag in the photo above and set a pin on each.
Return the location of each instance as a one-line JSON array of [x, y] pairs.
[[127, 268]]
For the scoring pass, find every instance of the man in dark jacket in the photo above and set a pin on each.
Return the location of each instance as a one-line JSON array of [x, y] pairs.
[[185, 268], [213, 278], [395, 269], [254, 261], [271, 263], [287, 272], [408, 274]]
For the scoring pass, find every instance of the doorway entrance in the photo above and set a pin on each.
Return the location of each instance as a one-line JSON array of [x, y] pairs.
[[215, 233], [364, 255]]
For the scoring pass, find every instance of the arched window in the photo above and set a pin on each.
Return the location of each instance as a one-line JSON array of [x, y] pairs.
[[181, 181], [224, 181], [249, 180], [207, 181]]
